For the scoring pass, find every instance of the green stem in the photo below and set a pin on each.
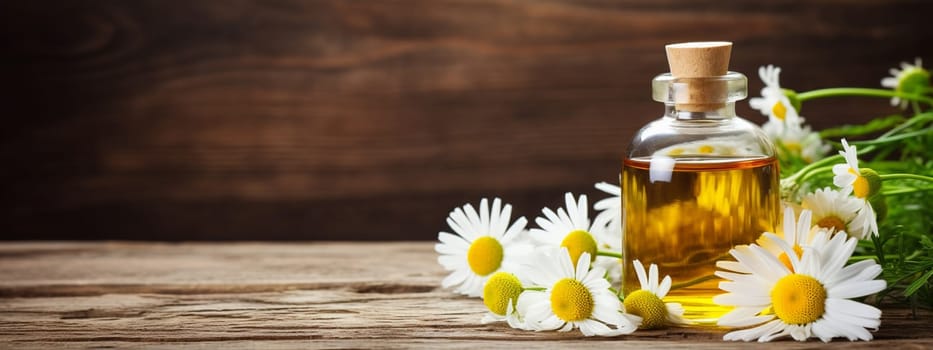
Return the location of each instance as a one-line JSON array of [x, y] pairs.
[[913, 255], [906, 177], [810, 167], [920, 118], [815, 172], [901, 191], [537, 289], [609, 254], [883, 140], [856, 258], [694, 281], [836, 92]]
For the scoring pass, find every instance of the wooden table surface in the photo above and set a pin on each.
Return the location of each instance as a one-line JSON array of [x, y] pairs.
[[261, 295]]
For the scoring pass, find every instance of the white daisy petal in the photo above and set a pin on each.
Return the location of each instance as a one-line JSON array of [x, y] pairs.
[[732, 266], [582, 211], [856, 289], [583, 265], [551, 323], [652, 279], [566, 219], [513, 232], [495, 212], [571, 209], [473, 216], [484, 214], [743, 317], [567, 327], [453, 262], [640, 271], [848, 330], [859, 271], [458, 228], [854, 312], [752, 333], [456, 242], [664, 287], [799, 333], [456, 277], [822, 331], [466, 226]]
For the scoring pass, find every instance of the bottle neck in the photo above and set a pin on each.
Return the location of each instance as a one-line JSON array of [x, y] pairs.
[[726, 112]]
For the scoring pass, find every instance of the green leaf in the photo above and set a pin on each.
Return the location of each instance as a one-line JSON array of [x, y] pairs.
[[913, 287], [926, 242]]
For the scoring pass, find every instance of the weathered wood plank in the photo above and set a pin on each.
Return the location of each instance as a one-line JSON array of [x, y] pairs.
[[290, 119], [252, 295]]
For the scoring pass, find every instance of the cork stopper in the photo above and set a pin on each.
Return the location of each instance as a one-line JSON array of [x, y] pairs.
[[690, 63]]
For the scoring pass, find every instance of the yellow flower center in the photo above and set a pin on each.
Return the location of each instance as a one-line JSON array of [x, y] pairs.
[[779, 110], [500, 289], [577, 242], [571, 300], [485, 255], [786, 259], [648, 306], [861, 187], [832, 222], [705, 149], [798, 299]]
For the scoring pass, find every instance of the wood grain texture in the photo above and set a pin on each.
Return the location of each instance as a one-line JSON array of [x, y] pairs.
[[318, 295], [370, 119]]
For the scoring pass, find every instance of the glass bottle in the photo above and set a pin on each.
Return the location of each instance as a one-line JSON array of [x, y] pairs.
[[697, 181]]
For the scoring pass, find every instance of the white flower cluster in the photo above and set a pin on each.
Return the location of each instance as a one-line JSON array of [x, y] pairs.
[[785, 126], [552, 277]]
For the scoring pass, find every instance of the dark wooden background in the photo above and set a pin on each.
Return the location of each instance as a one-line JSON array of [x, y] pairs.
[[362, 120]]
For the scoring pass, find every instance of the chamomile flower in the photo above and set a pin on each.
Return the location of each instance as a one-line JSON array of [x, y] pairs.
[[863, 183], [573, 297], [835, 211], [812, 299], [796, 140], [911, 79], [500, 295], [773, 102], [482, 245], [648, 303], [571, 229]]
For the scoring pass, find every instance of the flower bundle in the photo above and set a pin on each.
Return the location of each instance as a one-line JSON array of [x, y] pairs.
[[856, 230]]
